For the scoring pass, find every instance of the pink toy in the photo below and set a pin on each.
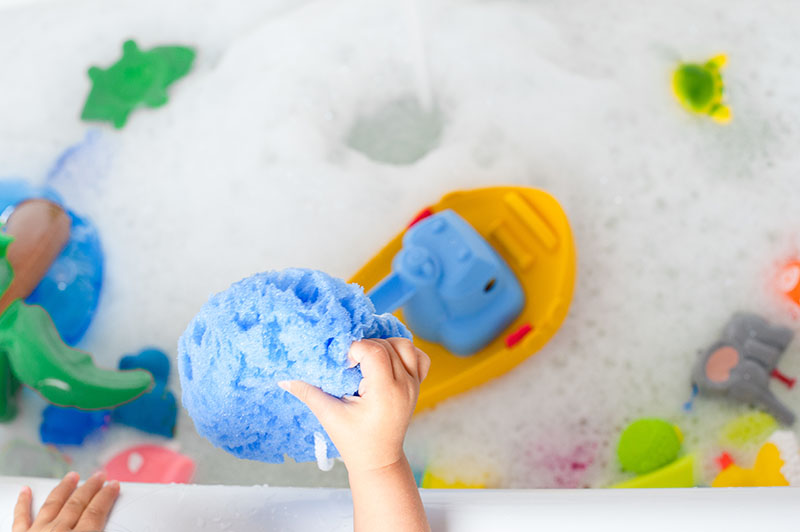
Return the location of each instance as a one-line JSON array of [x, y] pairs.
[[151, 464]]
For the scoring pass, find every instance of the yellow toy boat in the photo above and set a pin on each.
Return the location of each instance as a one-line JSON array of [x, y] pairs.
[[531, 233]]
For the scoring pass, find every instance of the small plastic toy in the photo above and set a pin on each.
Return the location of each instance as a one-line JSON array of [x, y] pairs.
[[788, 282], [777, 464], [454, 288], [151, 464], [765, 472], [138, 78], [155, 411], [21, 458], [678, 474], [699, 88], [30, 346], [70, 289], [648, 444], [748, 430], [738, 367], [650, 447], [70, 426], [527, 233], [432, 481]]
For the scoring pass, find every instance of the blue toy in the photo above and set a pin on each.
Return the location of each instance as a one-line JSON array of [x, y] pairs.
[[155, 411], [70, 290], [274, 326], [70, 426], [454, 288]]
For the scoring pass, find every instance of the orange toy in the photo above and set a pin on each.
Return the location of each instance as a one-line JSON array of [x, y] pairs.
[[789, 281]]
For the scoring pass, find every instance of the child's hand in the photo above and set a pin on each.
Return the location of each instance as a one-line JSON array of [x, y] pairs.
[[66, 508], [368, 430]]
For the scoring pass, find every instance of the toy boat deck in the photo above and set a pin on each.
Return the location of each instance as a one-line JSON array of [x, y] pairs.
[[530, 231]]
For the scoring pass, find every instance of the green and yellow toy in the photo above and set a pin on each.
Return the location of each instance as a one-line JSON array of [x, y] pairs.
[[31, 349], [699, 88], [650, 447]]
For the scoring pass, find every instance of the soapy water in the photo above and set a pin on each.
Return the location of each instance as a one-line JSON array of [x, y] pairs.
[[400, 132], [678, 221]]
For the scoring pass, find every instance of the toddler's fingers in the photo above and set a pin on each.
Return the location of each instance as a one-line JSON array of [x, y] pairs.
[[376, 363], [399, 370], [79, 500], [320, 403], [424, 362], [96, 514], [407, 354], [22, 511], [55, 501]]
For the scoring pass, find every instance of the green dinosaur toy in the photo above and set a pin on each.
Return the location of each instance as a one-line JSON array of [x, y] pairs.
[[31, 350], [138, 78]]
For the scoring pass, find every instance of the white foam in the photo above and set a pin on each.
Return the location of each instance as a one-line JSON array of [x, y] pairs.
[[786, 442]]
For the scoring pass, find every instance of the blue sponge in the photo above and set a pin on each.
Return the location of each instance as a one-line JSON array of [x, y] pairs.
[[274, 326]]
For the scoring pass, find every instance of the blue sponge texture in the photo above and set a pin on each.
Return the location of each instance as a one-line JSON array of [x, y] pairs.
[[274, 326]]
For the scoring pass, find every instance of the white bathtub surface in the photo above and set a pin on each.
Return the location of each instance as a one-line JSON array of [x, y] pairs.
[[177, 508]]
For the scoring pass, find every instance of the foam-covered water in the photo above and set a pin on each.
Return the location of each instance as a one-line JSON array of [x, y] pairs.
[[678, 221]]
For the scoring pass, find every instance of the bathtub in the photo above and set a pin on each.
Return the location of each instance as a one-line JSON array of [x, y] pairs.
[[179, 508]]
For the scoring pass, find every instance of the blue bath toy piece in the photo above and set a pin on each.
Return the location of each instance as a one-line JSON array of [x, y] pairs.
[[70, 291], [70, 426], [155, 411], [152, 360], [274, 326], [453, 286]]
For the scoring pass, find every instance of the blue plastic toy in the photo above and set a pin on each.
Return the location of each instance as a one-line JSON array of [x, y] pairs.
[[155, 411], [70, 426], [453, 287], [71, 289]]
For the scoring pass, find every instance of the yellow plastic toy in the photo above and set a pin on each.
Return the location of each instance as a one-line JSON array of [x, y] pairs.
[[777, 464], [432, 481], [699, 88], [530, 231], [765, 472], [678, 474], [748, 430]]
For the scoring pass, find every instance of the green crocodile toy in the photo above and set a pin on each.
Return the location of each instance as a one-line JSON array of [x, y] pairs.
[[139, 78]]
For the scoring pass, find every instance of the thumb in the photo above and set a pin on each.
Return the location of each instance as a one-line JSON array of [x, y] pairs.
[[323, 405]]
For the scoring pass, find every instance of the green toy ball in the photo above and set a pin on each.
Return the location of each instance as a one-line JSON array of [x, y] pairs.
[[648, 444]]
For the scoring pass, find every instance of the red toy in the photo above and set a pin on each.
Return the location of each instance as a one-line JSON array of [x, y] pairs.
[[150, 464]]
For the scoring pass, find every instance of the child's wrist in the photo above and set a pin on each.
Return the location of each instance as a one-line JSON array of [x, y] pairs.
[[378, 468]]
